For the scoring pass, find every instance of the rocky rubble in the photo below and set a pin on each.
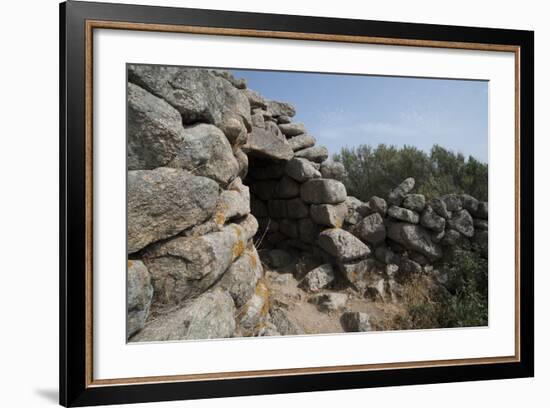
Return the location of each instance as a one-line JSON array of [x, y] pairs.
[[223, 186]]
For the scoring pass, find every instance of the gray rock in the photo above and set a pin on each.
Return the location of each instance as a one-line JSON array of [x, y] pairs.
[[355, 322], [415, 238], [482, 210], [234, 130], [308, 231], [333, 169], [255, 99], [249, 226], [185, 267], [440, 208], [385, 255], [274, 170], [431, 220], [317, 154], [414, 202], [301, 170], [481, 239], [462, 222], [323, 191], [328, 214], [469, 203], [329, 301], [397, 195], [371, 229], [283, 119], [287, 188], [362, 274], [292, 129], [319, 278], [239, 83], [277, 258], [139, 295], [233, 202], [241, 277], [407, 268], [451, 238], [377, 204], [280, 109], [481, 224], [255, 310], [438, 236], [289, 228], [277, 208], [155, 131], [301, 142], [196, 93], [258, 120], [296, 208], [342, 245], [164, 202], [258, 207], [242, 161], [403, 214], [206, 152], [209, 316], [285, 326], [268, 143], [452, 201], [264, 189]]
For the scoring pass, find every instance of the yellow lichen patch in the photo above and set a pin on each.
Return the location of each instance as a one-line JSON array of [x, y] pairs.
[[130, 263], [338, 224], [252, 259], [263, 292], [219, 218], [240, 245]]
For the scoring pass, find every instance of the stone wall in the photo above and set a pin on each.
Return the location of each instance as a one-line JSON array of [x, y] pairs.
[[216, 171]]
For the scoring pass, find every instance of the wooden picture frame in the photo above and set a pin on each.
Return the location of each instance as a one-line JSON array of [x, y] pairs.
[[78, 20]]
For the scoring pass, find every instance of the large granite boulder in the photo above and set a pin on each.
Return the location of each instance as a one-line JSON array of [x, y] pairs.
[[331, 215], [333, 169], [397, 195], [342, 245], [268, 143], [301, 170], [233, 202], [210, 316], [301, 142], [318, 278], [431, 220], [403, 214], [139, 296], [323, 191], [414, 202], [415, 238], [164, 202], [362, 273], [155, 131], [292, 129], [371, 229], [462, 222], [242, 276], [317, 154], [276, 109]]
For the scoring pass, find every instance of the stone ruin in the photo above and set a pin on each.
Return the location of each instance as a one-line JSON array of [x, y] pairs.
[[218, 174]]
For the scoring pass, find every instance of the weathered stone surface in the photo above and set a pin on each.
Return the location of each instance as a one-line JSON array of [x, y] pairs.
[[329, 301], [301, 142], [249, 225], [377, 204], [353, 216], [255, 99], [451, 238], [415, 238], [140, 294], [277, 258], [414, 202], [317, 154], [209, 316], [301, 170], [355, 322], [155, 131], [452, 201], [184, 267], [197, 94], [319, 278], [275, 108], [440, 208], [239, 83], [233, 202], [258, 121], [482, 210], [241, 277], [469, 203], [437, 236], [333, 169], [431, 220], [371, 229], [403, 214], [255, 310], [164, 201], [362, 273], [397, 195], [242, 161], [206, 152], [329, 214], [234, 130], [481, 239], [323, 191], [308, 231], [481, 224], [292, 129], [407, 268], [296, 208], [462, 222], [386, 255], [283, 119], [285, 326], [287, 188], [268, 143], [277, 208], [342, 245]]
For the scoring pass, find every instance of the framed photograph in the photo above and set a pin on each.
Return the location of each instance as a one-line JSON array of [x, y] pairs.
[[256, 204]]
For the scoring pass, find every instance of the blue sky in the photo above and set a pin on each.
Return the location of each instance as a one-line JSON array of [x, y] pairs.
[[348, 110]]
